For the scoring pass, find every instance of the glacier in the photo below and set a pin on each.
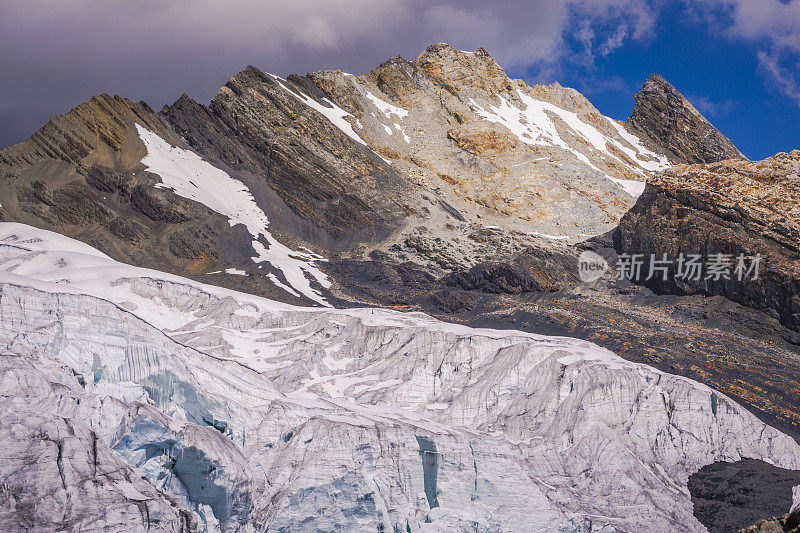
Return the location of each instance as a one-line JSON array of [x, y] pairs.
[[136, 400]]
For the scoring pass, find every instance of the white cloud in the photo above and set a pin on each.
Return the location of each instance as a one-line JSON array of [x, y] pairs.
[[517, 34], [773, 25], [777, 24], [771, 20], [600, 27], [785, 81], [711, 108], [614, 41]]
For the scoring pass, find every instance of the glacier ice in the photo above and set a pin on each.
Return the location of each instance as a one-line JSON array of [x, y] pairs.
[[231, 412]]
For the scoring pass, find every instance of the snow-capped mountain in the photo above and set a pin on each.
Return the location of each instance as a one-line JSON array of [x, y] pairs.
[[136, 400], [333, 162], [201, 310]]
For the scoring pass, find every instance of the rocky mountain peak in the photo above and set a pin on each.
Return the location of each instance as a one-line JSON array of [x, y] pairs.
[[452, 122], [451, 68], [393, 77], [104, 121], [662, 113], [656, 81]]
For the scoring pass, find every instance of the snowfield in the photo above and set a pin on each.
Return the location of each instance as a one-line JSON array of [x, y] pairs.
[[190, 176], [534, 124], [137, 400]]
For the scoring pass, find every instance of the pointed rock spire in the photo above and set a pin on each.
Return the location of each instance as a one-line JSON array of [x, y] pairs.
[[664, 115]]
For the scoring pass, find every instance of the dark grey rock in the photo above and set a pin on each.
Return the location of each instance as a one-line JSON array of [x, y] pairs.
[[666, 117], [731, 496]]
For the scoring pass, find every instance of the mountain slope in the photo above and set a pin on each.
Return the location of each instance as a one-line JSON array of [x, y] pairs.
[[415, 151], [256, 414], [732, 208], [527, 158], [282, 132], [94, 174]]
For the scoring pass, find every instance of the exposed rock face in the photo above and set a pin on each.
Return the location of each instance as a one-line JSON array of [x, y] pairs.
[[788, 523], [82, 175], [103, 123], [264, 126], [719, 489], [336, 163], [516, 275], [733, 207], [500, 152], [665, 116]]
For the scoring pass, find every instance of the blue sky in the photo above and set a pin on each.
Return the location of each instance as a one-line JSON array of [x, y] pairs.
[[738, 61], [720, 74]]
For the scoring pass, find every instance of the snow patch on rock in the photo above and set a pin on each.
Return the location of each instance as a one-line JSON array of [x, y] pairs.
[[634, 188], [335, 114], [386, 108], [534, 124], [188, 175]]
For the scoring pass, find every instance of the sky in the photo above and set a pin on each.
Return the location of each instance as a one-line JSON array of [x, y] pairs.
[[737, 61]]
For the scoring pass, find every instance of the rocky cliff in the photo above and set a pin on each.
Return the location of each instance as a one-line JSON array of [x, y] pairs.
[[788, 523], [662, 114], [82, 175], [735, 208], [300, 145], [538, 158]]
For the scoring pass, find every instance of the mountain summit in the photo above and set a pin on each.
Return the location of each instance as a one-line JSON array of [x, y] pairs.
[[246, 380], [406, 153], [663, 114]]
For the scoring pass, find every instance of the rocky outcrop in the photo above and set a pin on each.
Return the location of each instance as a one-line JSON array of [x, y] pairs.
[[735, 208], [268, 129], [517, 274], [502, 153], [101, 126], [82, 175], [718, 489], [663, 115], [788, 523]]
